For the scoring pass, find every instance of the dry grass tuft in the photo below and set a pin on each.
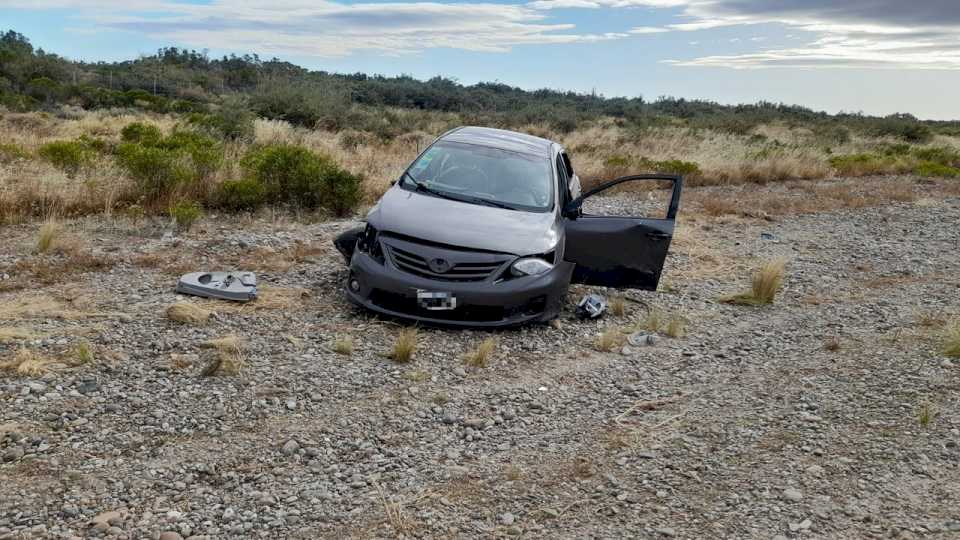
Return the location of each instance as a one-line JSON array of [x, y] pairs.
[[405, 345], [676, 327], [343, 345], [27, 363], [930, 319], [48, 237], [927, 413], [12, 333], [653, 321], [609, 339], [83, 353], [41, 306], [230, 357], [480, 357], [187, 313], [513, 473], [278, 297], [767, 281], [833, 344], [402, 525], [618, 306], [951, 339]]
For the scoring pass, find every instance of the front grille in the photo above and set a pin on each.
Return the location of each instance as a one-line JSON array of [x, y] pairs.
[[464, 265]]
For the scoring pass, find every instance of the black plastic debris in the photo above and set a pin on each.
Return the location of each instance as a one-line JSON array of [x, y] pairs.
[[591, 306]]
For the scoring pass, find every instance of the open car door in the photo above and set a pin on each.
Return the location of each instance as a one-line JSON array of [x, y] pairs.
[[620, 251]]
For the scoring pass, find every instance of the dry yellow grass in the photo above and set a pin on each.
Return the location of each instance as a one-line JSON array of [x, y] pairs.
[[765, 285], [618, 305], [13, 333], [41, 306], [83, 353], [187, 313], [951, 339], [480, 357], [771, 153], [230, 357], [676, 327], [343, 345], [609, 339], [27, 363], [653, 320], [48, 236], [405, 345]]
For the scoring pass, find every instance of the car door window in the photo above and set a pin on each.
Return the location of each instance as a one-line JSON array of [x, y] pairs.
[[641, 198]]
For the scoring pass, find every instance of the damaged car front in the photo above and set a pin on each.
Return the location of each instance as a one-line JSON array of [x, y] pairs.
[[469, 234], [485, 228]]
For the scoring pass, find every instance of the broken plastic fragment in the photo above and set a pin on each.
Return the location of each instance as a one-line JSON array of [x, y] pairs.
[[236, 286]]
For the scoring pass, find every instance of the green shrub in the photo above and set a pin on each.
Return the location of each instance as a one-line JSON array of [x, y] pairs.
[[676, 166], [341, 191], [243, 194], [909, 130], [185, 214], [294, 175], [206, 154], [68, 156], [617, 160], [139, 132], [233, 121], [832, 133], [930, 168], [863, 164], [12, 152], [939, 155], [95, 143], [157, 171]]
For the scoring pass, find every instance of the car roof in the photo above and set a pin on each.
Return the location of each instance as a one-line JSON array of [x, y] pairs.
[[502, 139]]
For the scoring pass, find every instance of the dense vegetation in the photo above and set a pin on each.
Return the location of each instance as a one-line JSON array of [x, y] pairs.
[[179, 80]]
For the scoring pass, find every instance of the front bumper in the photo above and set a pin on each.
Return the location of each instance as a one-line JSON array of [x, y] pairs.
[[386, 289]]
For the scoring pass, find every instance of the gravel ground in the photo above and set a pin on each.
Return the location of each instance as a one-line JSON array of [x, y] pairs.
[[801, 419]]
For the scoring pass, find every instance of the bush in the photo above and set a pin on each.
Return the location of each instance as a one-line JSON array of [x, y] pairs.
[[184, 214], [930, 168], [832, 133], [244, 194], [294, 175], [157, 171], [905, 129], [233, 121], [939, 155], [139, 132], [206, 154], [862, 164], [68, 156], [677, 166]]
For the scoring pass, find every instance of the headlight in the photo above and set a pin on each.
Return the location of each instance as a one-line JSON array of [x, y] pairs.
[[530, 266]]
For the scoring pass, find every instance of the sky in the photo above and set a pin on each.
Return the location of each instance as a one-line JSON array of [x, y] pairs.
[[871, 56]]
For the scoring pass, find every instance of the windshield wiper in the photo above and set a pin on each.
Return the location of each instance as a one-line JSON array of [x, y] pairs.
[[489, 202], [419, 186]]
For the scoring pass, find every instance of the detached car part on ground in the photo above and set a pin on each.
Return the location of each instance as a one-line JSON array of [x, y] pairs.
[[486, 228]]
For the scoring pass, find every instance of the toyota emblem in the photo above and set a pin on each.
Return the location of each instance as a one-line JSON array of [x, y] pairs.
[[439, 265]]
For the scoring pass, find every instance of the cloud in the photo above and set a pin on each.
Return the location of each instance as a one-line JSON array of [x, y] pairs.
[[327, 28], [922, 34]]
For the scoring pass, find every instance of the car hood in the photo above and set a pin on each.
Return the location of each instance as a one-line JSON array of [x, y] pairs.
[[463, 224]]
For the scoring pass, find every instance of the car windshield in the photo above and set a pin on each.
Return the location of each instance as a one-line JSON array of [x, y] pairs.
[[484, 175]]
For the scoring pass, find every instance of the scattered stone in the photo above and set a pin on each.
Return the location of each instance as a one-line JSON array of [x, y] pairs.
[[290, 447], [792, 495]]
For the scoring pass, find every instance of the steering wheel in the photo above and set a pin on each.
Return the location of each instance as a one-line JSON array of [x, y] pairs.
[[473, 175]]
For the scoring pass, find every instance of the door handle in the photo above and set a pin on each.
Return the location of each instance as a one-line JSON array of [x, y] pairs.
[[658, 235]]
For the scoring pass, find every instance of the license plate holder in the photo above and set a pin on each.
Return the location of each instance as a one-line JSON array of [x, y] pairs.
[[436, 300]]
